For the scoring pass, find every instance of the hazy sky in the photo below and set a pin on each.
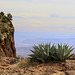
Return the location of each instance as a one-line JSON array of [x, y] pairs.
[[49, 16]]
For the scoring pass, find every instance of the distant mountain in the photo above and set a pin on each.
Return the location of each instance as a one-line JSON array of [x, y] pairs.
[[24, 46], [23, 51]]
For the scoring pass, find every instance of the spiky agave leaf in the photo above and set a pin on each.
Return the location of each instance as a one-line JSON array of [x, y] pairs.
[[63, 52], [42, 52]]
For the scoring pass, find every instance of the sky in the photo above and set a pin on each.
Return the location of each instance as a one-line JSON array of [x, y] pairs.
[[41, 16]]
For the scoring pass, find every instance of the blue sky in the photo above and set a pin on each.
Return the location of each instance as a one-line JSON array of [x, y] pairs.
[[41, 16]]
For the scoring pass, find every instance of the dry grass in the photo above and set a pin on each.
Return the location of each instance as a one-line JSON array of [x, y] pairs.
[[27, 63]]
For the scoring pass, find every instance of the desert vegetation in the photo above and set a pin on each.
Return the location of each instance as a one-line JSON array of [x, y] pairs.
[[6, 25], [9, 16], [48, 52]]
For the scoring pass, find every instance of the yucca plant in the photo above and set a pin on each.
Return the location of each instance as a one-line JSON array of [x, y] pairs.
[[42, 52], [63, 52]]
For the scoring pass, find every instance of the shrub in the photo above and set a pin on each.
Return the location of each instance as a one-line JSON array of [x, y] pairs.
[[24, 63], [4, 20], [27, 62], [5, 35], [63, 52], [46, 52], [4, 30], [11, 25], [2, 13], [9, 16], [2, 37], [43, 52], [0, 16]]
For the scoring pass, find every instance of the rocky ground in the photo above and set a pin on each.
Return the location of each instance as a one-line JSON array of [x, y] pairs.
[[12, 66]]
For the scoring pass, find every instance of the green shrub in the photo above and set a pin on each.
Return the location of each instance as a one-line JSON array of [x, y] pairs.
[[11, 25], [46, 52], [5, 35], [4, 30], [2, 37], [4, 20], [8, 32], [63, 52], [2, 13], [9, 16], [0, 16], [43, 52]]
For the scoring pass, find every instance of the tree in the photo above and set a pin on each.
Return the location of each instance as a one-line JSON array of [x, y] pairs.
[[9, 16]]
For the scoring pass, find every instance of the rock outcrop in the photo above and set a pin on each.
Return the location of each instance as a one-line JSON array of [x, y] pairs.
[[7, 45]]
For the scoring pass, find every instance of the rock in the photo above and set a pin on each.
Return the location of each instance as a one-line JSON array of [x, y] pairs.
[[70, 65], [70, 72], [59, 73], [10, 66], [7, 45], [8, 61]]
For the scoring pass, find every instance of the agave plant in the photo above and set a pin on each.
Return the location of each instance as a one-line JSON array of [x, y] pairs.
[[63, 52], [42, 52]]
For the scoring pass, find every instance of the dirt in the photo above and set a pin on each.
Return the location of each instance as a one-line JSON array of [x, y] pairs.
[[10, 66]]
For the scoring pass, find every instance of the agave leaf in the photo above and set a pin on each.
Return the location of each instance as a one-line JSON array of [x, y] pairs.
[[68, 53], [70, 56], [54, 57], [40, 46], [70, 47], [35, 53], [32, 56], [41, 59], [38, 52], [45, 52], [59, 49], [35, 47]]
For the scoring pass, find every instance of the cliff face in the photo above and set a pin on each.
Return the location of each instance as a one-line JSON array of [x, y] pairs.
[[7, 45]]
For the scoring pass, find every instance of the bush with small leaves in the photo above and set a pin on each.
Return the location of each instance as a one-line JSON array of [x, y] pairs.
[[2, 37], [5, 35], [0, 16], [6, 26], [9, 16], [11, 25], [2, 13], [4, 20], [4, 30]]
